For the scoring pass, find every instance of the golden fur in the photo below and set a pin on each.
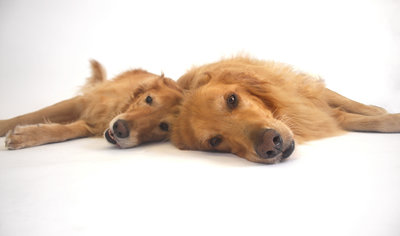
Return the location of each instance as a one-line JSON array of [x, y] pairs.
[[101, 104], [257, 109]]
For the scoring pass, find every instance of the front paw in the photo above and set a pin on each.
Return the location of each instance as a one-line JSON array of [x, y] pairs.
[[375, 111], [22, 137]]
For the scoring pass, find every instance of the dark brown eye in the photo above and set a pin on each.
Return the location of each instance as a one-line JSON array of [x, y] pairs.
[[215, 141], [164, 126], [149, 100], [232, 101]]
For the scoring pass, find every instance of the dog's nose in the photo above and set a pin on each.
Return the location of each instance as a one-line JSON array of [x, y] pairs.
[[121, 129], [269, 144]]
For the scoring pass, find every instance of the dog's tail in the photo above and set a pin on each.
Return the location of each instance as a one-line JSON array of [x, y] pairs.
[[98, 73], [97, 76]]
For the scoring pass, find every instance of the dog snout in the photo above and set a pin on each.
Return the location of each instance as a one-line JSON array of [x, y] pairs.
[[121, 128], [269, 144], [288, 151]]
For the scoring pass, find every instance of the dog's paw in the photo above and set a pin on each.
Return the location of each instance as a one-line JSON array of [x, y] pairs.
[[376, 111], [390, 123], [22, 137]]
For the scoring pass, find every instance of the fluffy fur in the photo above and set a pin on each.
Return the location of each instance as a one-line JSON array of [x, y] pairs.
[[97, 109], [257, 109]]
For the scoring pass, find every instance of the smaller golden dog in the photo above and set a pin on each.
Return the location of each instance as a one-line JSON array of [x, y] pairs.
[[258, 110], [133, 108]]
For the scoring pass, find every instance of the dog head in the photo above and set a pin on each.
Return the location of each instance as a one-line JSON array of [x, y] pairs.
[[149, 116], [234, 112]]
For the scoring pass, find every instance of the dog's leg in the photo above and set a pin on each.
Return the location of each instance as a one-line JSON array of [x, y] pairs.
[[387, 123], [33, 135], [336, 100], [62, 112]]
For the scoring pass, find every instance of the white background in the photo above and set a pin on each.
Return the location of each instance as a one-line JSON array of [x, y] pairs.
[[347, 185]]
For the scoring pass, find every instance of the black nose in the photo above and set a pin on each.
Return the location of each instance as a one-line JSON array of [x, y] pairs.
[[288, 151], [121, 129], [269, 144]]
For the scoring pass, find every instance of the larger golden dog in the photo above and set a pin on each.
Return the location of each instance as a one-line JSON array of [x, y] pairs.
[[259, 109]]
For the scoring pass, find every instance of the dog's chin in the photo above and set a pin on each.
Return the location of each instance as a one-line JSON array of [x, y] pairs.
[[274, 160], [121, 143]]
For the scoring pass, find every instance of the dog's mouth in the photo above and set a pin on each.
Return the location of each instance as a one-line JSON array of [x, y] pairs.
[[109, 135]]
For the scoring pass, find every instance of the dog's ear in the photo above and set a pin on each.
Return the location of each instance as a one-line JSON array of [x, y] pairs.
[[171, 84], [269, 94], [185, 80], [248, 81], [177, 140], [194, 79], [140, 89], [203, 79]]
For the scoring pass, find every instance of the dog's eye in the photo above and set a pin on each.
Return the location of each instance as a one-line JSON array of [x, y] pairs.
[[232, 101], [149, 100], [215, 141], [164, 126]]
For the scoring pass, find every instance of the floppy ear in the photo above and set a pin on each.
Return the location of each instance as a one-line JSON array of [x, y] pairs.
[[193, 79], [250, 82], [203, 79], [171, 84], [176, 140], [260, 88], [141, 89]]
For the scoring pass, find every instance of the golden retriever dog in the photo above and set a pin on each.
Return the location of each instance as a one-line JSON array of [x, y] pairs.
[[259, 109], [133, 108]]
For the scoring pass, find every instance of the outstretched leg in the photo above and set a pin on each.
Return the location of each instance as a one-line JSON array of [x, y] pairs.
[[387, 123], [62, 112], [336, 100], [33, 135]]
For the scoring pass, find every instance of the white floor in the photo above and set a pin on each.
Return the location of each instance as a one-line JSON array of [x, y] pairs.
[[346, 185], [341, 186]]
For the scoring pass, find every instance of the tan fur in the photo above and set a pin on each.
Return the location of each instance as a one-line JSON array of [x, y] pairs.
[[271, 96], [98, 75], [101, 101]]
